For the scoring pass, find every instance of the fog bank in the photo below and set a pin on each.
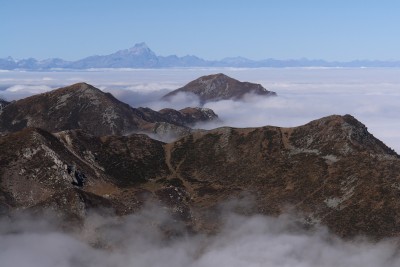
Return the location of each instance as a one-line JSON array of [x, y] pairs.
[[136, 240]]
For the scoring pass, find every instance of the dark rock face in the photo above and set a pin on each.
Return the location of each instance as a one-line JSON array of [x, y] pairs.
[[219, 87], [331, 171], [82, 106]]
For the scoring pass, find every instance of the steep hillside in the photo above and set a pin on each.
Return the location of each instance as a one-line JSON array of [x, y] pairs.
[[36, 166], [331, 171]]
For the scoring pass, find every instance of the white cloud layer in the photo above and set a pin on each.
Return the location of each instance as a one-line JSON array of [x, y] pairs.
[[136, 240], [19, 91], [304, 94]]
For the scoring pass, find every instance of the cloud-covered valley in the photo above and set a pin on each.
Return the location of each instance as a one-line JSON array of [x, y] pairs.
[[137, 240]]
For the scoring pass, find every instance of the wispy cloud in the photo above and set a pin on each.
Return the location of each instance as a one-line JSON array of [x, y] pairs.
[[21, 91], [179, 101]]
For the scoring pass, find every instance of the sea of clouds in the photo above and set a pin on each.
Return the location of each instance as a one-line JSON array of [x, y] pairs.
[[137, 240], [304, 94]]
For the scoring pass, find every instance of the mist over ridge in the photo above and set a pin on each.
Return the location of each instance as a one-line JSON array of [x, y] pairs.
[[256, 240], [304, 93]]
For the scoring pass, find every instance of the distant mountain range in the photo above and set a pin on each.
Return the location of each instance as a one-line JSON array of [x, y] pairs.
[[141, 56]]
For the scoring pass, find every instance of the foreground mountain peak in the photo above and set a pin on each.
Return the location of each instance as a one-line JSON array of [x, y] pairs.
[[219, 86]]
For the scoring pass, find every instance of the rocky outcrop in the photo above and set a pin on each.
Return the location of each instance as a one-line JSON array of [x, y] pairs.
[[219, 87]]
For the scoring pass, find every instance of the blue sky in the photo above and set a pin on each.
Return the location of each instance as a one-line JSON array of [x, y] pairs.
[[212, 29]]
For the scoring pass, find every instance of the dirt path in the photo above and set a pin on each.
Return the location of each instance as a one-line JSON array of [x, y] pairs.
[[168, 149], [175, 171], [285, 133]]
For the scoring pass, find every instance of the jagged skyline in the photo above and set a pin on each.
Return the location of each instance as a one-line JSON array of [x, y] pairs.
[[140, 56]]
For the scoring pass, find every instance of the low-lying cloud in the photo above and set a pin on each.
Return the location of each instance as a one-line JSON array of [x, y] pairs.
[[19, 91], [179, 101], [304, 94], [136, 98], [138, 240], [378, 111]]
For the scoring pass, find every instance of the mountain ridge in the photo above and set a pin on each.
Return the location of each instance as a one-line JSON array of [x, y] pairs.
[[83, 106], [327, 169]]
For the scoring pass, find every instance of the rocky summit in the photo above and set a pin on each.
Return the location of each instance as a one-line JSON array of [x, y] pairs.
[[82, 106], [331, 171], [220, 87]]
